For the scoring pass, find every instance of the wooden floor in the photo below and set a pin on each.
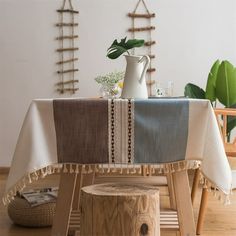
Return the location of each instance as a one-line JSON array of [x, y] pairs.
[[220, 219]]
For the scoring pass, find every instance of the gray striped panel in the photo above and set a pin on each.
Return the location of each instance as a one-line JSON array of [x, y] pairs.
[[160, 130]]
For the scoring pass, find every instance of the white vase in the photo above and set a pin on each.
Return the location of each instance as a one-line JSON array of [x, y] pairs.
[[134, 80]]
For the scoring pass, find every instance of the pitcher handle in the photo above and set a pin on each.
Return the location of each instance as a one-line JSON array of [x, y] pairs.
[[147, 58]]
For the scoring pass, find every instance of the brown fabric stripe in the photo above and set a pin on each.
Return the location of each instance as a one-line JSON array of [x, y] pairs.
[[81, 130]]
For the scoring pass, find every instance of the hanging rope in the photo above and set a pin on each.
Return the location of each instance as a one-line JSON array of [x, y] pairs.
[[133, 15], [69, 83]]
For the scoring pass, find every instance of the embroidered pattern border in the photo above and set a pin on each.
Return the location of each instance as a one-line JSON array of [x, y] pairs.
[[129, 130], [112, 131]]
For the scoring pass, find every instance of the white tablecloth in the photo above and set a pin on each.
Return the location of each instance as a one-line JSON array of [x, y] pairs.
[[36, 150]]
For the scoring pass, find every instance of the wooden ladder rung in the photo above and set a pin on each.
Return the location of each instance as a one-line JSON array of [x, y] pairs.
[[67, 49], [150, 70], [66, 24], [67, 71], [67, 37], [67, 11], [135, 15], [68, 82], [151, 56], [67, 61], [149, 43], [67, 90], [150, 82], [141, 29]]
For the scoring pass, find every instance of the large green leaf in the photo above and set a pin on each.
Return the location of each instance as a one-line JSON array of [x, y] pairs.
[[134, 43], [193, 91], [118, 48], [116, 51], [226, 84], [211, 82]]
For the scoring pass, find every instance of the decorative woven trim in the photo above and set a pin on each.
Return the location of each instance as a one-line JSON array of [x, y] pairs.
[[220, 194], [28, 179], [129, 132], [111, 130], [132, 130], [120, 130], [153, 169]]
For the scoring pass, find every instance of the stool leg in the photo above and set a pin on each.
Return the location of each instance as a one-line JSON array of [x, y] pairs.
[[202, 210], [64, 204]]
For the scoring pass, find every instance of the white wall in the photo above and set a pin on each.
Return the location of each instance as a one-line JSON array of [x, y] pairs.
[[191, 35]]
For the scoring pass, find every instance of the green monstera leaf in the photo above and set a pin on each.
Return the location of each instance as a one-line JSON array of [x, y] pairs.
[[211, 82], [193, 91], [118, 48], [226, 84]]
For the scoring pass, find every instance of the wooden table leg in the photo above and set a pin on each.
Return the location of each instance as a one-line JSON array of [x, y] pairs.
[[202, 210], [88, 179], [81, 181], [64, 204], [171, 191], [195, 184], [78, 186], [144, 170], [183, 203]]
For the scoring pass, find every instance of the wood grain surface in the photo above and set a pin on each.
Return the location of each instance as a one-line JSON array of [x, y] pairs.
[[120, 209]]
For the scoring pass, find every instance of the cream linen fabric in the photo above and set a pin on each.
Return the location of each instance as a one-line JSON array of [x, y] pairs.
[[36, 146], [205, 144]]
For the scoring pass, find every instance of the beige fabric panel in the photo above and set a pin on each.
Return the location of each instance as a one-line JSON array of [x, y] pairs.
[[198, 119], [36, 146], [204, 143]]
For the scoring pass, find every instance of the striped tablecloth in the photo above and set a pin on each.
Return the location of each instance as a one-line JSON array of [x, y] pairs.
[[168, 134]]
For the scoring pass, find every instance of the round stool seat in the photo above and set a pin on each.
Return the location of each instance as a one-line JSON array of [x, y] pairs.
[[21, 213]]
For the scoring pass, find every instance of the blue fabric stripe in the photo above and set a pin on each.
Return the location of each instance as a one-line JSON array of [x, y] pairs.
[[160, 130]]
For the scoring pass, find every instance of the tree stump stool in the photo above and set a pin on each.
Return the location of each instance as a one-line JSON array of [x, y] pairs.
[[116, 209]]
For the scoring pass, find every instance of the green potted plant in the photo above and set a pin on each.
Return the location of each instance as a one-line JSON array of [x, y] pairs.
[[221, 86], [118, 48], [134, 81], [109, 84]]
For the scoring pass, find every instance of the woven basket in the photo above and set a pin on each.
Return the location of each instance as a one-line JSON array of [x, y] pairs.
[[21, 213]]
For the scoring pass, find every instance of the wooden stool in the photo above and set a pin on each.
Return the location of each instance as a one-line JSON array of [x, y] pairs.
[[120, 209]]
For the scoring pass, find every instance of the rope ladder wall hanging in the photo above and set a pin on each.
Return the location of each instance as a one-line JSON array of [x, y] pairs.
[[149, 42], [67, 40]]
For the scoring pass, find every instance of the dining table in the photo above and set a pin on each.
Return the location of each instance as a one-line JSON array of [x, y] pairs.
[[74, 136]]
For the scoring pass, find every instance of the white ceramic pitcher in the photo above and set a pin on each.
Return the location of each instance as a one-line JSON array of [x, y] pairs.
[[134, 81]]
